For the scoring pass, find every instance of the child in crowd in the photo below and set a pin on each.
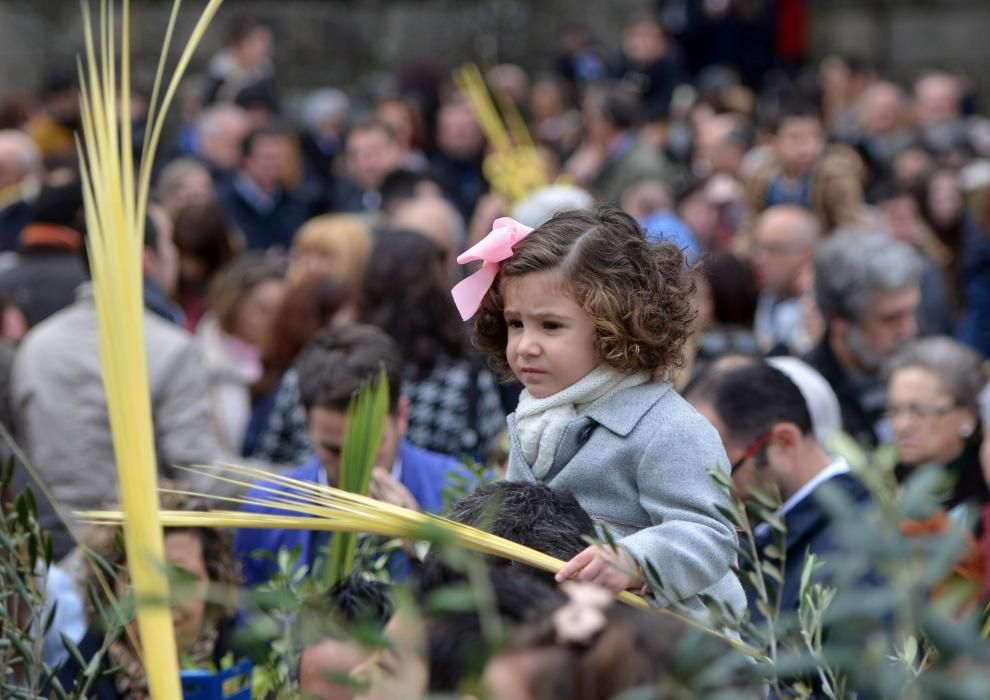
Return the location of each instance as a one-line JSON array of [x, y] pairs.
[[591, 318]]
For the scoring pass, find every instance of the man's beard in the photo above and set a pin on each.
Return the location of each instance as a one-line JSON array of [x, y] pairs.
[[859, 347]]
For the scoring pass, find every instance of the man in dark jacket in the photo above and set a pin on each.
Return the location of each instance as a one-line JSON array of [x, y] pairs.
[[867, 287], [49, 265], [256, 198], [766, 428]]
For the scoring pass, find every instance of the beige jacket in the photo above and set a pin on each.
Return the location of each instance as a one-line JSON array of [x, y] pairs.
[[61, 415]]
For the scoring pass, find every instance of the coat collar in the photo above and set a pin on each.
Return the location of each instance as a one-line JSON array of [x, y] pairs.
[[621, 411]]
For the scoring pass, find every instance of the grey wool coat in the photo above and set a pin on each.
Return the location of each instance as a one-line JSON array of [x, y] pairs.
[[638, 462]]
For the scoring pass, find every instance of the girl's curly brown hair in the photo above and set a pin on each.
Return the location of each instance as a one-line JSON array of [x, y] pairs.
[[637, 294]]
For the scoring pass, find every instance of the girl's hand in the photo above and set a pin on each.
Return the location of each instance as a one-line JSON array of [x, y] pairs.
[[613, 571]]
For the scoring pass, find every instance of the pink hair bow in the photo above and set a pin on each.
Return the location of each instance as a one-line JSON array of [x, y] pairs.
[[491, 250]]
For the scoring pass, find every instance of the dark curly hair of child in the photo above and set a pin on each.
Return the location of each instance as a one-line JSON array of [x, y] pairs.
[[637, 293]]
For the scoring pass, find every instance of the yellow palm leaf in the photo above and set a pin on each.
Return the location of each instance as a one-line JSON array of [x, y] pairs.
[[115, 204]]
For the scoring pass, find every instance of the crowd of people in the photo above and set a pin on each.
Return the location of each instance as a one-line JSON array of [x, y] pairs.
[[798, 252]]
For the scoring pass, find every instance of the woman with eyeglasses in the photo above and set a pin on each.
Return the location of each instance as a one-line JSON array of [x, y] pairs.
[[933, 387]]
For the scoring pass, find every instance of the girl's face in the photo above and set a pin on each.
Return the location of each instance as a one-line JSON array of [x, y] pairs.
[[550, 337]]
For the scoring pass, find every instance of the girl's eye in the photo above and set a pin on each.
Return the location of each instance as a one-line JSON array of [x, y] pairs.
[[515, 323], [551, 326]]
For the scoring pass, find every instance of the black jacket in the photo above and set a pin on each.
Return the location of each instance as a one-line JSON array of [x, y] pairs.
[[860, 422]]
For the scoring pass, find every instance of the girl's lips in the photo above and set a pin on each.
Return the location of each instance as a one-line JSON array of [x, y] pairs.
[[530, 370]]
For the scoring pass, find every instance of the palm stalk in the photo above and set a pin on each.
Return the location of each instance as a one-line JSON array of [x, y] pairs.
[[115, 202], [313, 506], [365, 427]]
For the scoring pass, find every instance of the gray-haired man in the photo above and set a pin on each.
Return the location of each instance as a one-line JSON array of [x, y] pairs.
[[867, 286]]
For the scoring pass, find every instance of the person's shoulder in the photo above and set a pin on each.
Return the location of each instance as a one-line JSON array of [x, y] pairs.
[[850, 485], [167, 340], [419, 459], [308, 472], [57, 330]]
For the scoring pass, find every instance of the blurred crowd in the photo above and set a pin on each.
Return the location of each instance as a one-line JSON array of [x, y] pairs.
[[837, 220]]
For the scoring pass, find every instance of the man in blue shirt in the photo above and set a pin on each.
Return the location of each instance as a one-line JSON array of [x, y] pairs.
[[331, 370]]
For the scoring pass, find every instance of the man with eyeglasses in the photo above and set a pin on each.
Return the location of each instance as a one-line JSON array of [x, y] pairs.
[[767, 431]]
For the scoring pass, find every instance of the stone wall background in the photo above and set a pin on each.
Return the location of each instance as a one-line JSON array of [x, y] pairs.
[[332, 42]]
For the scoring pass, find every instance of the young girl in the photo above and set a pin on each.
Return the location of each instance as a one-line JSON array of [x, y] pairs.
[[591, 319]]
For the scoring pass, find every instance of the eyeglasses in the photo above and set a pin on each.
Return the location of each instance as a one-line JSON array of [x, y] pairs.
[[919, 411], [753, 448]]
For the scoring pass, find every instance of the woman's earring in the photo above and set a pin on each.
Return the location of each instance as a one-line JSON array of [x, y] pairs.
[[965, 431]]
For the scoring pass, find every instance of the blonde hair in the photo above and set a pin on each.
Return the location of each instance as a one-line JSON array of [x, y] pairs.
[[344, 236]]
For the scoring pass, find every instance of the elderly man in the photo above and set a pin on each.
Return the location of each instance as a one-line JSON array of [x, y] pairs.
[[868, 290], [784, 241], [20, 175], [220, 132]]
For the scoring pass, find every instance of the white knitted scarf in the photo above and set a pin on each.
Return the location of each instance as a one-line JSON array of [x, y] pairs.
[[540, 423]]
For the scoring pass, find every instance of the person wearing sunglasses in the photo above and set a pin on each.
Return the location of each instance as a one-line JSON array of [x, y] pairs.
[[767, 431], [933, 389]]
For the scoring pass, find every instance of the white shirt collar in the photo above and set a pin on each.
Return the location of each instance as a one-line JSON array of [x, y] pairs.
[[837, 467]]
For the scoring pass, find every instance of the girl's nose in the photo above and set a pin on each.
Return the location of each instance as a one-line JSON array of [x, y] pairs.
[[528, 345]]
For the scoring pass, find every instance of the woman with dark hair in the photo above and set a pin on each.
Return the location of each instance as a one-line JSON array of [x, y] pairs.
[[727, 299], [278, 436], [206, 242], [454, 406]]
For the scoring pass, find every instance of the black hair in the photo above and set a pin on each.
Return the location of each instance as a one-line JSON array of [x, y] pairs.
[[57, 80], [247, 145], [734, 291], [359, 599], [456, 646], [400, 185], [751, 398], [533, 515], [886, 190], [339, 360], [406, 292], [796, 107], [58, 204], [690, 187], [620, 103], [241, 26]]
